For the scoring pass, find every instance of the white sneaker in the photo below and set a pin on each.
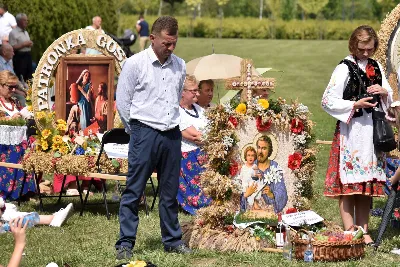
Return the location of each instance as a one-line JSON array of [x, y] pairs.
[[62, 215]]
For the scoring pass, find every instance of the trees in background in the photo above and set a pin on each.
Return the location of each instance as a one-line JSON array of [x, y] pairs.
[[49, 19]]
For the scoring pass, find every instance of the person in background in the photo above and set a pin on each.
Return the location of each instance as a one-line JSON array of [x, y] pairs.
[[96, 25], [205, 97], [7, 23], [19, 39], [6, 56], [142, 28], [193, 122]]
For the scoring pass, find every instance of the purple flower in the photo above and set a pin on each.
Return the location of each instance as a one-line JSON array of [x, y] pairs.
[[80, 151]]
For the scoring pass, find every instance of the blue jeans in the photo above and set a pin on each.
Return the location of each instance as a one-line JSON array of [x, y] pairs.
[[150, 149]]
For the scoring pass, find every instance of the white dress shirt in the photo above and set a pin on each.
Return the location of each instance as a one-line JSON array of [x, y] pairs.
[[149, 91], [7, 22]]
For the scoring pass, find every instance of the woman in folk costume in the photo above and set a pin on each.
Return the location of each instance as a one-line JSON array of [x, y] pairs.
[[356, 170]]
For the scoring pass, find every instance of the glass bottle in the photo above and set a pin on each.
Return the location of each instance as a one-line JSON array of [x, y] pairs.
[[309, 252]]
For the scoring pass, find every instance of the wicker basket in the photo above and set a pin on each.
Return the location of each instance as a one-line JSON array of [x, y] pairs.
[[331, 251]]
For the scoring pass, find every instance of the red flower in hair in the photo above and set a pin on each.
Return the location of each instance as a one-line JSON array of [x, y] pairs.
[[297, 126], [263, 127], [370, 71], [234, 121], [295, 161]]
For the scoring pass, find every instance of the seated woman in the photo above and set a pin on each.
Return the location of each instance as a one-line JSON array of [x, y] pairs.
[[190, 195], [11, 179]]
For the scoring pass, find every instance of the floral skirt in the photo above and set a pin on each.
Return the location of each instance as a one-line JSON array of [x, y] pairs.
[[11, 179], [190, 195], [333, 184]]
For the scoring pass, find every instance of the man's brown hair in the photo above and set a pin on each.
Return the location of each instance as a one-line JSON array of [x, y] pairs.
[[165, 23], [266, 138]]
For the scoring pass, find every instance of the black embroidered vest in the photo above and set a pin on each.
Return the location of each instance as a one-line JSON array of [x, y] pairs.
[[353, 89]]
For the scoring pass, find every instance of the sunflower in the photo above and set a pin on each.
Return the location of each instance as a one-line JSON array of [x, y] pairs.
[[29, 108], [57, 139], [241, 108], [44, 144], [264, 103], [61, 127], [63, 150], [61, 121], [55, 146], [46, 133], [40, 115]]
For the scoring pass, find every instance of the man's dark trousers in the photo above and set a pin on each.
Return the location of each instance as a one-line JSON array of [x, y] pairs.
[[151, 149]]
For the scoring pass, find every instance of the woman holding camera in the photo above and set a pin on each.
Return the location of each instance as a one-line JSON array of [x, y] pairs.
[[356, 170]]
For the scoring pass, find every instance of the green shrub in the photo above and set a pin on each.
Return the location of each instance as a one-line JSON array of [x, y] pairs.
[[253, 28]]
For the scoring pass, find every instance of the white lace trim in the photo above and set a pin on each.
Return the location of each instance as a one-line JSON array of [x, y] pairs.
[[12, 135]]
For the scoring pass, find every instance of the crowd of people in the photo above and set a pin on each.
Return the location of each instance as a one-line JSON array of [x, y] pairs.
[[163, 112]]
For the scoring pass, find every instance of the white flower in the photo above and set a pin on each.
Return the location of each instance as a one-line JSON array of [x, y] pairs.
[[227, 141], [301, 109], [228, 108], [2, 203], [273, 175]]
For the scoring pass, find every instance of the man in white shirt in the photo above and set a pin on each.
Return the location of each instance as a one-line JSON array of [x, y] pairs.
[[149, 89], [96, 25], [7, 23]]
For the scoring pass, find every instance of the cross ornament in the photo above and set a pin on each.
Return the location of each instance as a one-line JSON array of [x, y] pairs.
[[248, 81]]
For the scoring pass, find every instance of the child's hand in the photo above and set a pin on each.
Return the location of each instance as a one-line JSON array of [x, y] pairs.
[[18, 230]]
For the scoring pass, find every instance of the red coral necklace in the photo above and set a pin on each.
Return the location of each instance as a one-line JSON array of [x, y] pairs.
[[4, 105]]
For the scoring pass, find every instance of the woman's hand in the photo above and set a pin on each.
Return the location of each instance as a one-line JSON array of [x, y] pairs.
[[250, 190], [376, 89], [16, 116], [363, 103]]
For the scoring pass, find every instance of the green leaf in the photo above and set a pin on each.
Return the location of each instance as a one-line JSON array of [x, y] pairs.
[[57, 154]]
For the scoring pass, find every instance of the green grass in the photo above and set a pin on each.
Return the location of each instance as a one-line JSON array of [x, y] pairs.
[[89, 240]]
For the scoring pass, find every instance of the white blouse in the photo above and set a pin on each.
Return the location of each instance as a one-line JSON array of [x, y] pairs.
[[199, 123]]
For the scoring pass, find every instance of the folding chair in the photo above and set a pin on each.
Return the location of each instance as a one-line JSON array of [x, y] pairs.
[[118, 136]]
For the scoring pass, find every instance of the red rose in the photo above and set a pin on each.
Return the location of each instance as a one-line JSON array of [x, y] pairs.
[[234, 121], [291, 210], [349, 165], [370, 71], [396, 213], [233, 169], [263, 127], [297, 126], [295, 161]]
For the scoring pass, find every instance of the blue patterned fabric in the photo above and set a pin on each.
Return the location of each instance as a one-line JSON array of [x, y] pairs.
[[11, 179], [190, 195]]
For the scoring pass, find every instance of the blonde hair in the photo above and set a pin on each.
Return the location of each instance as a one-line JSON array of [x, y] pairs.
[[7, 76], [190, 79], [247, 149], [358, 37]]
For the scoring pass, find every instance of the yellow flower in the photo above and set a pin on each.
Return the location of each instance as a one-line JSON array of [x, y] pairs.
[[63, 150], [62, 127], [55, 146], [258, 238], [46, 133], [241, 108], [40, 115], [57, 139], [44, 144], [29, 108], [264, 103], [61, 121]]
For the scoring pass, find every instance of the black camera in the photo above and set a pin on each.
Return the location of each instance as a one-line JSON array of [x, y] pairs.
[[375, 99]]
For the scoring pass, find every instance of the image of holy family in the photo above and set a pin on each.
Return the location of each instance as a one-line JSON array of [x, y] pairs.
[[87, 98], [260, 180]]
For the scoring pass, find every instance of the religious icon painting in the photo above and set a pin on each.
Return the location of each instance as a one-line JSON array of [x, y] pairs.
[[85, 93]]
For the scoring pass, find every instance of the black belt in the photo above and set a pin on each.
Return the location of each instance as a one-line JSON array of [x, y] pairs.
[[141, 124]]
